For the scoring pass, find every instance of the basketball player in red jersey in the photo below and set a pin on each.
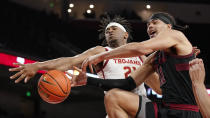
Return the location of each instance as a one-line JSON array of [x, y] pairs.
[[171, 62], [117, 33]]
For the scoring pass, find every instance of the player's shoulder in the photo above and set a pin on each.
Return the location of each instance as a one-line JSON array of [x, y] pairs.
[[177, 33]]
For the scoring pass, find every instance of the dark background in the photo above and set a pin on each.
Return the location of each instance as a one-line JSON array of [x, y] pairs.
[[40, 36]]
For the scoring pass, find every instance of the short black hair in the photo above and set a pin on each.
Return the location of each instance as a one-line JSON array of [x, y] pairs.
[[106, 19]]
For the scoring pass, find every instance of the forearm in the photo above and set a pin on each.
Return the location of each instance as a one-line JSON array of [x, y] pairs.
[[202, 98], [128, 50], [63, 64], [145, 71], [153, 82], [107, 84], [66, 63]]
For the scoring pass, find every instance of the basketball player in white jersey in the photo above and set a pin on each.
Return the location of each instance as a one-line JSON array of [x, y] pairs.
[[116, 33], [121, 68]]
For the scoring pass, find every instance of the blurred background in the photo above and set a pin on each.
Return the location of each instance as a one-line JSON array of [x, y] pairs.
[[38, 30]]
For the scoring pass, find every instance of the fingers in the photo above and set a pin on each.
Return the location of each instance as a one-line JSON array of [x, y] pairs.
[[195, 61], [91, 68], [73, 79], [16, 69], [76, 68], [26, 79], [20, 78], [21, 66], [71, 75], [84, 65], [197, 64], [18, 64], [16, 75], [196, 50]]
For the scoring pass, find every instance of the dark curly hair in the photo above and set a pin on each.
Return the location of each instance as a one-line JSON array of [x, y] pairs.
[[106, 19]]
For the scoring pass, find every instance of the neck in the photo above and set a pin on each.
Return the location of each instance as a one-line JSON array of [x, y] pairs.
[[115, 43]]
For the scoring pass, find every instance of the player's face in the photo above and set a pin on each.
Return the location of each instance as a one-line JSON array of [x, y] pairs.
[[115, 33], [154, 27]]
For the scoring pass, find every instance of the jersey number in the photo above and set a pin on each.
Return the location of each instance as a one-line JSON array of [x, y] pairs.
[[128, 70]]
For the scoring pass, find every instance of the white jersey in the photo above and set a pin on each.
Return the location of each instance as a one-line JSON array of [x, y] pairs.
[[121, 68]]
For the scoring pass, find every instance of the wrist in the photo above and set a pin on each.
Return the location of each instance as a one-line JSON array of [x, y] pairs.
[[104, 56], [197, 84], [38, 65]]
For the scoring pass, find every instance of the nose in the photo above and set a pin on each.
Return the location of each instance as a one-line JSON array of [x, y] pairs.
[[150, 26], [110, 30]]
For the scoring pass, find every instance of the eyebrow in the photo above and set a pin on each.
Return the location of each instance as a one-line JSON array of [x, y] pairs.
[[152, 20]]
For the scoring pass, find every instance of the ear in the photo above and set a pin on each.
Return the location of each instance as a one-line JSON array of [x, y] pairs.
[[169, 26], [126, 35]]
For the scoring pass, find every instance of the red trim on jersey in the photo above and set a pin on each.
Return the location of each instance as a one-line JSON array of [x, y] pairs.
[[103, 74], [182, 67], [181, 56], [106, 49], [106, 61], [185, 107], [141, 59], [156, 109]]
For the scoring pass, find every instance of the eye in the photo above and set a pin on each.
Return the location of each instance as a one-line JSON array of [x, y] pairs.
[[107, 30], [155, 22]]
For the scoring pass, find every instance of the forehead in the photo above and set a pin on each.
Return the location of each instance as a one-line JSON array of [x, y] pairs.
[[154, 20], [113, 26]]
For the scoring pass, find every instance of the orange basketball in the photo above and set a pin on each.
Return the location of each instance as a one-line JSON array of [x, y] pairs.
[[54, 86]]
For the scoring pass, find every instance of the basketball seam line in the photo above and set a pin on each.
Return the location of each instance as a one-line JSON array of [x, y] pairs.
[[67, 83], [47, 82], [57, 83], [51, 92]]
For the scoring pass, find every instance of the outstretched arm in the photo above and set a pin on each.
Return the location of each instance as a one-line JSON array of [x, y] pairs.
[[163, 41], [197, 74], [27, 71]]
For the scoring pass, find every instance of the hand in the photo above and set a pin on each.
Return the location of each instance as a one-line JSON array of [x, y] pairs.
[[24, 71], [196, 50], [78, 80], [197, 71], [92, 60]]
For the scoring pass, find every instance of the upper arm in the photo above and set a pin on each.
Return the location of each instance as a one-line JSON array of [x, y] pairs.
[[162, 41]]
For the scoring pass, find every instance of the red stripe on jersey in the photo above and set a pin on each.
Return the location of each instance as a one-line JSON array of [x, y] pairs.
[[182, 67], [156, 109], [106, 61], [103, 74], [185, 107], [106, 49], [141, 59]]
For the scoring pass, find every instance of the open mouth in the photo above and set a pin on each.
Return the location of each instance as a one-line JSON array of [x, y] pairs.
[[152, 33]]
